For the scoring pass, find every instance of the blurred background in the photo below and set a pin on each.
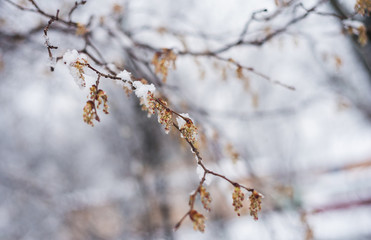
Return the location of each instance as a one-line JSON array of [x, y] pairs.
[[308, 151]]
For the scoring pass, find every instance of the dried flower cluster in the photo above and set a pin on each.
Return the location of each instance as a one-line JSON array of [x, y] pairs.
[[76, 63], [146, 93], [81, 29], [357, 28], [188, 129], [255, 204], [163, 61], [164, 115], [100, 96], [205, 198], [240, 74], [152, 105], [238, 196], [363, 7], [90, 109], [79, 65], [362, 35], [90, 113], [198, 220], [148, 104]]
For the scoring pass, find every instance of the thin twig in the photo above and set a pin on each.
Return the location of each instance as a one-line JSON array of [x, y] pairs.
[[77, 4]]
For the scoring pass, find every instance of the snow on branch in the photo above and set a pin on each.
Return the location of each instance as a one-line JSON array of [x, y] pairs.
[[92, 58]]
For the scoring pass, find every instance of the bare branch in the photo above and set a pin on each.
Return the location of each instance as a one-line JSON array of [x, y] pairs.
[[77, 4]]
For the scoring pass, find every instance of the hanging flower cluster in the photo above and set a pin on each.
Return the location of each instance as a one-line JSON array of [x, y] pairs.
[[238, 196], [198, 220], [90, 109], [90, 113], [146, 94], [205, 198], [100, 96], [163, 61], [153, 105], [164, 115], [362, 35], [255, 204], [187, 128]]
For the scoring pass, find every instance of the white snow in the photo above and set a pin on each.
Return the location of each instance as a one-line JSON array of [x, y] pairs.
[[125, 75], [142, 91], [200, 171], [126, 79], [352, 23], [70, 58]]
